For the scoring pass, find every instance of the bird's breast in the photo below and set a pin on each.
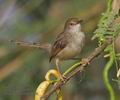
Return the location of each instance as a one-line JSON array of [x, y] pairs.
[[73, 47], [68, 52]]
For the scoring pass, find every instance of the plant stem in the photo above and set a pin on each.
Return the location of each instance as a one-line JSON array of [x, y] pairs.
[[71, 68], [106, 77], [109, 5]]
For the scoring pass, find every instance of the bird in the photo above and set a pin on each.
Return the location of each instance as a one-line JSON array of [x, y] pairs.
[[68, 43]]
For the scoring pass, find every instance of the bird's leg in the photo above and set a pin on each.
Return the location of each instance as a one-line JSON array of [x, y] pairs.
[[58, 69]]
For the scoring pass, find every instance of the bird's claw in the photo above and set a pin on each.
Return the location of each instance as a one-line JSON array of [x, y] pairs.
[[85, 61], [63, 78]]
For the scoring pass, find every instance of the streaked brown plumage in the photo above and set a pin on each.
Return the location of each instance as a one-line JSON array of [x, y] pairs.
[[69, 43]]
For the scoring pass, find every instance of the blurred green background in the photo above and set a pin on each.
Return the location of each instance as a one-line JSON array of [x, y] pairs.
[[23, 69]]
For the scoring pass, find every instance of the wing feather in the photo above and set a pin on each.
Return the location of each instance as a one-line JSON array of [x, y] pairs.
[[59, 45]]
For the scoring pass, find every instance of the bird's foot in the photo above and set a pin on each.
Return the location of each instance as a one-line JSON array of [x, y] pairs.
[[84, 61], [63, 78]]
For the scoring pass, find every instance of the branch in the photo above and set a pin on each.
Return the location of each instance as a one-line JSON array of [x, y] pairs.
[[79, 68], [44, 46]]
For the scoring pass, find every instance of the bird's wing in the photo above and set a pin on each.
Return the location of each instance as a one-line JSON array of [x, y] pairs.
[[59, 45]]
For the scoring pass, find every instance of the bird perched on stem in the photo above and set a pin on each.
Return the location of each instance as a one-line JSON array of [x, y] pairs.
[[68, 44]]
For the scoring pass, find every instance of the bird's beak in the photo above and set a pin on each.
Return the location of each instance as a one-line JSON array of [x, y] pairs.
[[80, 21]]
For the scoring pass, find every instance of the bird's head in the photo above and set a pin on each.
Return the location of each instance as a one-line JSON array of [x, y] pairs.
[[73, 25]]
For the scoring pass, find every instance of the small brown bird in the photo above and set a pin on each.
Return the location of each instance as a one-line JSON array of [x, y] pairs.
[[69, 43]]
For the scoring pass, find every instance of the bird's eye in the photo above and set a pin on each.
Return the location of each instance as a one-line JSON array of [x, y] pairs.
[[71, 23]]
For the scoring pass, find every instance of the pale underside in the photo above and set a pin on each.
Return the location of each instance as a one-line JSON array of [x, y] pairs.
[[73, 47]]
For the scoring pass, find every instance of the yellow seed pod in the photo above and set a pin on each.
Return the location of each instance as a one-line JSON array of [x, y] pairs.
[[51, 72], [55, 74], [59, 94], [41, 90]]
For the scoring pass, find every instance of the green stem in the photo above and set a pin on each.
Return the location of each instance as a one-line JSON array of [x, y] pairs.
[[109, 6], [106, 77], [71, 68]]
